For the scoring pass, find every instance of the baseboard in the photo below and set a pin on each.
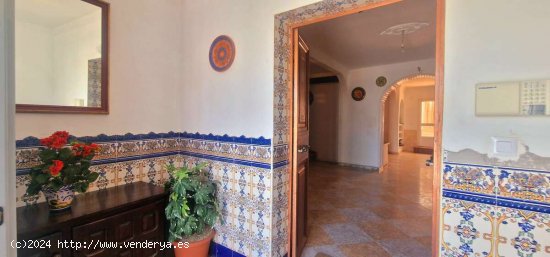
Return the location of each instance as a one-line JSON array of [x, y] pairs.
[[351, 165]]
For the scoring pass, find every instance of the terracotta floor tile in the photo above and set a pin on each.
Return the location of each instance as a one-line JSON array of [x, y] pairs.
[[425, 241], [382, 230], [322, 217], [366, 249], [318, 236], [360, 213]]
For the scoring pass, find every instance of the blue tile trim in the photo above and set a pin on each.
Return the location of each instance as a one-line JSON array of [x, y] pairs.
[[493, 200], [34, 142], [478, 198], [228, 160], [280, 164], [20, 172], [522, 205], [225, 138], [218, 250]]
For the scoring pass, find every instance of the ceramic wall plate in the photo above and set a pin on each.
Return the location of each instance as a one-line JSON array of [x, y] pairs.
[[358, 94], [381, 81], [222, 53]]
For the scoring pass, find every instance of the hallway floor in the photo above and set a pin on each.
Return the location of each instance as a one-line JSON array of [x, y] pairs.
[[354, 212]]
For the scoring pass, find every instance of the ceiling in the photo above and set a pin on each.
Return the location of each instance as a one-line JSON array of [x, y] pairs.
[[355, 41], [52, 13]]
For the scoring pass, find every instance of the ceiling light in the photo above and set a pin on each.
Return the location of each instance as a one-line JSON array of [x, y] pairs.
[[405, 28]]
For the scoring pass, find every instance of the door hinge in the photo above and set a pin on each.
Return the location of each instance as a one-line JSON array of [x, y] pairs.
[[1, 216]]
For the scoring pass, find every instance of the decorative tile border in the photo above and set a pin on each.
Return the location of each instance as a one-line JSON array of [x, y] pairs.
[[516, 205], [243, 167]]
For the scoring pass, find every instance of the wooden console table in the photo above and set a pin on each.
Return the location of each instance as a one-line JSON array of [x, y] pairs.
[[128, 213]]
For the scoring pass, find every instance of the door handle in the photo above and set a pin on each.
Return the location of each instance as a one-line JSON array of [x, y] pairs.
[[303, 148]]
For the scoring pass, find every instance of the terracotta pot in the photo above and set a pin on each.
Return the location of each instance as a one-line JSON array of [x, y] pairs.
[[59, 200], [194, 249]]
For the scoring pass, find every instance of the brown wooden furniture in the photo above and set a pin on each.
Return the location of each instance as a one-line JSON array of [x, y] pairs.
[[129, 213]]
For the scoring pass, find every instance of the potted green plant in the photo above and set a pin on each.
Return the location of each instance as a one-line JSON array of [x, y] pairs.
[[192, 210], [64, 169]]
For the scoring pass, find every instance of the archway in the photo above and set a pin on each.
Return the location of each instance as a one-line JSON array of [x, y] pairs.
[[383, 101]]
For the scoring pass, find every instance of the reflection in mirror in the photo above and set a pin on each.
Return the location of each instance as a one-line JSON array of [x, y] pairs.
[[58, 53]]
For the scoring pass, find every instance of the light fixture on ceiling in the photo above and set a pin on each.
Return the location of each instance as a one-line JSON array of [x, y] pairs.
[[403, 29]]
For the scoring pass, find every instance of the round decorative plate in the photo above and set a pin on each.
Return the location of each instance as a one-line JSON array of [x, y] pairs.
[[358, 94], [381, 81], [222, 53]]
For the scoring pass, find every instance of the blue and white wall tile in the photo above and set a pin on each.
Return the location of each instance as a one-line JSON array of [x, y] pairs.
[[513, 202]]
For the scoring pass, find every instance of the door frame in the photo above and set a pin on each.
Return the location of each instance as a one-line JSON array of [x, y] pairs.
[[287, 24], [8, 230]]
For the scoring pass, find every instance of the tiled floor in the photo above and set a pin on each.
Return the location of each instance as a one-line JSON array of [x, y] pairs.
[[369, 214]]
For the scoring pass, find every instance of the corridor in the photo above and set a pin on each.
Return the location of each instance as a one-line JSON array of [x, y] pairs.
[[354, 212]]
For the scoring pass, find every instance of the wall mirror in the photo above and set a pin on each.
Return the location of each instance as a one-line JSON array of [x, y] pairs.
[[61, 56]]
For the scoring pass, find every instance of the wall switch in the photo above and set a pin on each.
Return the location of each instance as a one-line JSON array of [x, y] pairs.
[[505, 146]]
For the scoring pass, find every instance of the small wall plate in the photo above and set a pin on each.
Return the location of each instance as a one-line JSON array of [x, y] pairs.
[[358, 93], [381, 81]]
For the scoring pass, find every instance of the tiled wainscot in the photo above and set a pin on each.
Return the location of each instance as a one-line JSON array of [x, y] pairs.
[[241, 165], [495, 211]]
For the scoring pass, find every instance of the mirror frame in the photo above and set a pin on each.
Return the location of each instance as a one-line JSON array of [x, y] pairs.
[[104, 109]]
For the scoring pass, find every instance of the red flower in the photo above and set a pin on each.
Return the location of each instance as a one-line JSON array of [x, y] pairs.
[[56, 167], [84, 150], [56, 141]]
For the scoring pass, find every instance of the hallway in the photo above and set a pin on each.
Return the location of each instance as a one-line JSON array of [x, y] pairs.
[[357, 213]]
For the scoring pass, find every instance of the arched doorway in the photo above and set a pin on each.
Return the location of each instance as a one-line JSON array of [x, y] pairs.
[[396, 137]]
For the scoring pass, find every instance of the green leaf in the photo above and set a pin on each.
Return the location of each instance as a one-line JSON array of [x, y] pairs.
[[65, 154], [42, 178], [47, 155], [92, 177]]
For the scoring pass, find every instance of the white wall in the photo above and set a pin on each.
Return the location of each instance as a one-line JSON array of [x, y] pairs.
[[145, 75], [75, 43], [359, 132], [240, 100], [520, 52], [33, 66]]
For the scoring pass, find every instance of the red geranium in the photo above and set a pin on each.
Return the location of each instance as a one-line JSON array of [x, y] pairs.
[[84, 150], [63, 166], [56, 141], [56, 167]]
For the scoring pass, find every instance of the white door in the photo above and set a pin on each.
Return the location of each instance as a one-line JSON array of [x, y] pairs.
[[7, 141]]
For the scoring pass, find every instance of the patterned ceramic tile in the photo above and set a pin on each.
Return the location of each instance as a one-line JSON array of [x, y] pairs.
[[522, 233], [26, 158], [467, 228], [128, 148], [106, 151], [107, 176], [154, 171], [470, 178], [524, 184]]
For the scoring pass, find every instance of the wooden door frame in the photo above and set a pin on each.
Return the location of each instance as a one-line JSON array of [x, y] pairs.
[[292, 32]]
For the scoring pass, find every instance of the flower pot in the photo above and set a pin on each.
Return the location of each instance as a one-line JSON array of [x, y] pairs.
[[194, 249], [59, 200]]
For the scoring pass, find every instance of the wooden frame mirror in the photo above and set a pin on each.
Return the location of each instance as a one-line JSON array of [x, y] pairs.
[[91, 70]]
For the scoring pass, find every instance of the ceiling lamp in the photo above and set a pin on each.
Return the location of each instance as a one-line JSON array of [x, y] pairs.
[[403, 29]]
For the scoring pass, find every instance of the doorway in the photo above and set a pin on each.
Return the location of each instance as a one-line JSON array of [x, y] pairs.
[[286, 112]]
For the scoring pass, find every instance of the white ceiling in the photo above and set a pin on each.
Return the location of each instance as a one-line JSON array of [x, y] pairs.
[[52, 13], [355, 41]]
